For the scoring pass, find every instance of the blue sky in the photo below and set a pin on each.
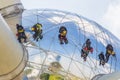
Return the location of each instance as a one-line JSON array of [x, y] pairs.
[[92, 8], [104, 12]]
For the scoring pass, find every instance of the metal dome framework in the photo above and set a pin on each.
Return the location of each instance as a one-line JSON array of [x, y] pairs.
[[81, 29]]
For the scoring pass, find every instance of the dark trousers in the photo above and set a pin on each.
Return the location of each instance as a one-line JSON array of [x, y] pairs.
[[37, 35], [62, 38], [21, 36], [84, 54], [107, 56]]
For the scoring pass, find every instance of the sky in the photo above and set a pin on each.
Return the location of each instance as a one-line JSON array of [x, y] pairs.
[[104, 12]]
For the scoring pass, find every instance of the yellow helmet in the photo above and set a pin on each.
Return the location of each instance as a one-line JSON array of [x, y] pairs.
[[64, 32], [111, 52], [32, 29]]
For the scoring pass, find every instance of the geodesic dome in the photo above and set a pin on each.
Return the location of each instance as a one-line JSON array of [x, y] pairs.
[[49, 49]]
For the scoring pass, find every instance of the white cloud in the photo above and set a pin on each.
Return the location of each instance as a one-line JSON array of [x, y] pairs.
[[112, 18]]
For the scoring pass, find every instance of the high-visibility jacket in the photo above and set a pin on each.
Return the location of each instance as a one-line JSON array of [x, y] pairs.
[[20, 30]]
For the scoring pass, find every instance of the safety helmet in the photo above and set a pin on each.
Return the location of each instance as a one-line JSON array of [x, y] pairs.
[[32, 29], [64, 32]]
